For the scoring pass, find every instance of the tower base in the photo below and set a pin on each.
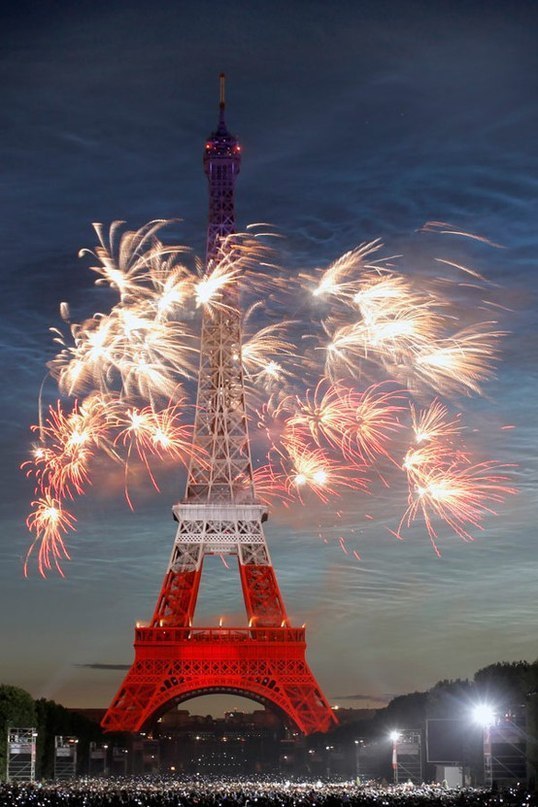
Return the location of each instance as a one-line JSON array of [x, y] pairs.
[[171, 665]]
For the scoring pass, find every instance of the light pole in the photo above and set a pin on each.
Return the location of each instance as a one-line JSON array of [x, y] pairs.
[[395, 736], [484, 715], [328, 749]]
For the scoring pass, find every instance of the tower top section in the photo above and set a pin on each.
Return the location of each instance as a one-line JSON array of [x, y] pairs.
[[222, 160], [222, 146]]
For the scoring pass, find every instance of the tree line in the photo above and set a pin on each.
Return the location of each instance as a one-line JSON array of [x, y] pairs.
[[19, 709]]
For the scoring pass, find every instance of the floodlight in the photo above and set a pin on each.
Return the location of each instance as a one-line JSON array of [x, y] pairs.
[[484, 714]]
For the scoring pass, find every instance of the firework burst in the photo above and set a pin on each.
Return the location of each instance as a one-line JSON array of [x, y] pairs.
[[376, 421], [459, 363], [49, 521], [323, 414], [265, 352], [67, 442], [326, 414], [315, 470], [460, 495]]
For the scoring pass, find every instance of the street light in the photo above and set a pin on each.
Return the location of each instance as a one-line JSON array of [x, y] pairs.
[[328, 749], [395, 736]]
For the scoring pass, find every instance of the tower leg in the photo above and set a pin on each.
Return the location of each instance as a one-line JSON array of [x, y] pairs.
[[179, 592], [261, 593]]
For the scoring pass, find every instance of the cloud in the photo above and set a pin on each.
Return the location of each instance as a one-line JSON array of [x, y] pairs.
[[98, 666], [374, 698]]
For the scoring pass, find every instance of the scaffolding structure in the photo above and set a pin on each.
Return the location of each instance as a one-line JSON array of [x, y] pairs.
[[65, 757], [21, 754], [408, 757]]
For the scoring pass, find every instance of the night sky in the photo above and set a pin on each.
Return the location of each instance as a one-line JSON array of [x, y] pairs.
[[357, 120]]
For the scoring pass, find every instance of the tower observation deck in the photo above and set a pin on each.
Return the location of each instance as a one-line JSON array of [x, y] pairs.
[[220, 514]]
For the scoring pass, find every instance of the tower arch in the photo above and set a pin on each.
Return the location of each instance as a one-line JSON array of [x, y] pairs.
[[221, 689]]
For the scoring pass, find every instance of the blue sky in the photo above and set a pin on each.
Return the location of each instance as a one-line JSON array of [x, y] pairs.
[[357, 121]]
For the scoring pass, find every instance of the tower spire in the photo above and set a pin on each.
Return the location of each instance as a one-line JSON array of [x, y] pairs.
[[222, 104], [222, 80]]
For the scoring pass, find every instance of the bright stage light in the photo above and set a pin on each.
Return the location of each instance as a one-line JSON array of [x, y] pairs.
[[484, 714]]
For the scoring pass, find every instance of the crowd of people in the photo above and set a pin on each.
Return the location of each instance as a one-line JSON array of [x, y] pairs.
[[263, 792]]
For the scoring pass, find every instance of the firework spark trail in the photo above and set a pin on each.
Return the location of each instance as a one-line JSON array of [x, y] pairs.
[[133, 347], [443, 482], [376, 420], [263, 352], [301, 434], [209, 289], [394, 321], [271, 420], [357, 424], [376, 291], [159, 433], [237, 256], [461, 362], [437, 442], [325, 414], [466, 269], [173, 286], [124, 366], [67, 443], [389, 343], [340, 277], [125, 266], [445, 228], [460, 495], [313, 469], [407, 331], [434, 422], [48, 521], [270, 486], [139, 345]]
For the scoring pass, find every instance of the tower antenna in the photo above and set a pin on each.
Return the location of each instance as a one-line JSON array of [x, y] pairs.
[[222, 81]]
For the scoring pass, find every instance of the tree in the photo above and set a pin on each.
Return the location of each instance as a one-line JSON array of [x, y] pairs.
[[507, 683], [451, 699], [17, 709], [54, 719], [403, 712]]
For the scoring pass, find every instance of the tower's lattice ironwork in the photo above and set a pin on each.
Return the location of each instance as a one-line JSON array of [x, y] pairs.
[[220, 514]]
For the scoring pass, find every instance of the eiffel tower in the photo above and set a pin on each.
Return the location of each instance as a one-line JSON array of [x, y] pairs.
[[220, 514]]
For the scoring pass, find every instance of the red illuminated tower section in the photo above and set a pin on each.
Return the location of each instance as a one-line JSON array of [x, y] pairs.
[[220, 514]]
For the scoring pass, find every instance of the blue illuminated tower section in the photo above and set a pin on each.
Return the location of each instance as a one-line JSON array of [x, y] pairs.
[[222, 162]]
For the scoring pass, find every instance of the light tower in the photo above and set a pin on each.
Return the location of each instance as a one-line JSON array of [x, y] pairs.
[[220, 514]]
